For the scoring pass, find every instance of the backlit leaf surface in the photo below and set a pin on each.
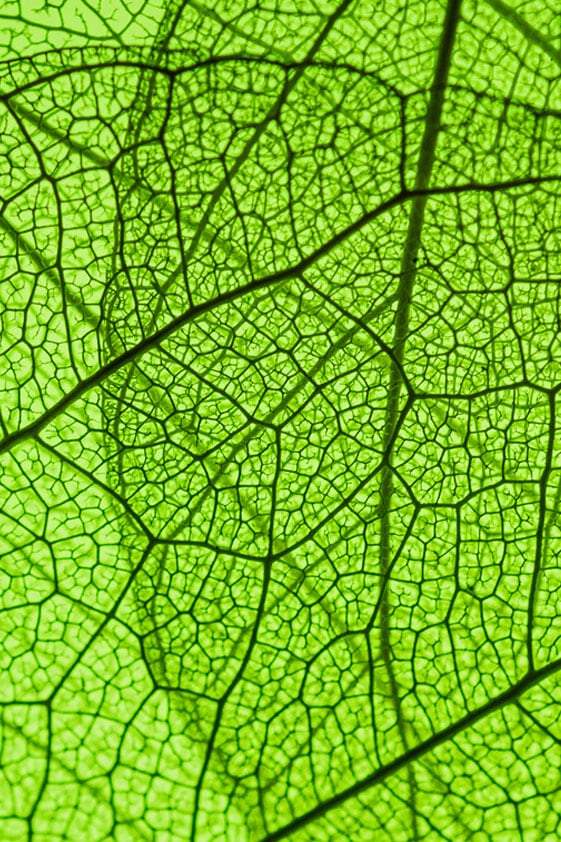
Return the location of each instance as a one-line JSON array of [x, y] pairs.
[[280, 458]]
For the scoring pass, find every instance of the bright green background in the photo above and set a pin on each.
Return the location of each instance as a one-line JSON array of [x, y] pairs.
[[281, 460]]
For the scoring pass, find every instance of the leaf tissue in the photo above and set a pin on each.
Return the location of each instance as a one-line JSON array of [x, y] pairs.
[[280, 464]]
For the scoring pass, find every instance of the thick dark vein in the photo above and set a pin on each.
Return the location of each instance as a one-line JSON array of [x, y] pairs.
[[326, 483], [541, 531], [404, 761], [533, 35], [185, 318], [405, 287], [275, 278]]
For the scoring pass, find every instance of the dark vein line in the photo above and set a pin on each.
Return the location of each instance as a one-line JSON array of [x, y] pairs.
[[272, 115], [259, 614], [151, 66], [291, 272], [534, 36], [122, 501], [112, 165], [153, 341], [471, 719], [408, 274], [540, 531], [87, 314]]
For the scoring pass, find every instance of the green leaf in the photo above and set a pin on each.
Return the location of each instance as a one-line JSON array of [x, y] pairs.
[[280, 460]]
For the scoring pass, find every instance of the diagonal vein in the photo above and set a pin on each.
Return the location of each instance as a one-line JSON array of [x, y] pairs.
[[533, 35], [270, 280], [468, 721], [405, 287]]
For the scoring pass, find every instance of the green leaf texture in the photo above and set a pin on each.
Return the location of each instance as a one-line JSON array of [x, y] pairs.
[[281, 451]]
